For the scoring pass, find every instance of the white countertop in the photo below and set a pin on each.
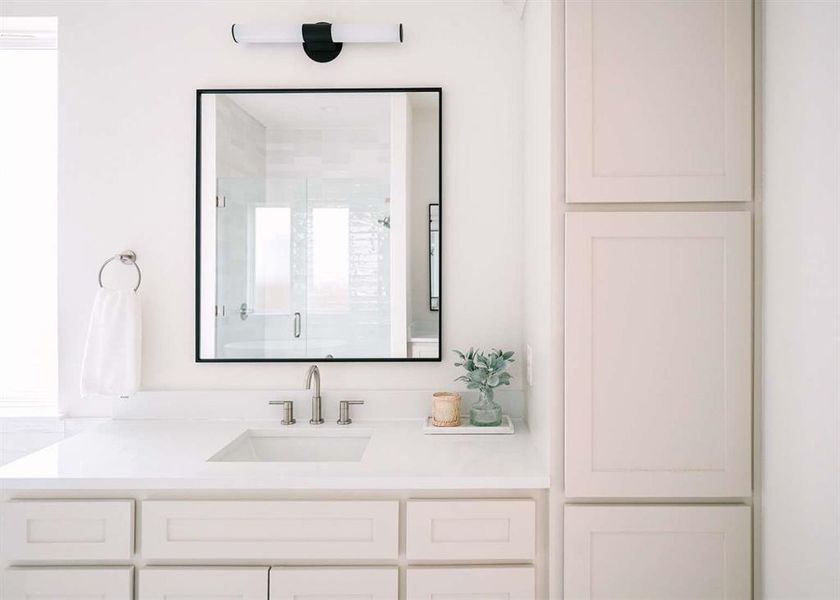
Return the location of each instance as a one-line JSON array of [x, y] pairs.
[[172, 455]]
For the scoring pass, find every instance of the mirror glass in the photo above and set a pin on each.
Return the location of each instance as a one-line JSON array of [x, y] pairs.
[[434, 257], [319, 225]]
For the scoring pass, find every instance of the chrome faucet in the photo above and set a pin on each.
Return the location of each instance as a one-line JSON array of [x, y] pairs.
[[316, 419]]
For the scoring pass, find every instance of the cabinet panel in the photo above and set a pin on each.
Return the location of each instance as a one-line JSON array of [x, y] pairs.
[[471, 583], [68, 583], [334, 583], [199, 583], [657, 552], [659, 101], [68, 530], [658, 367], [270, 530], [439, 530]]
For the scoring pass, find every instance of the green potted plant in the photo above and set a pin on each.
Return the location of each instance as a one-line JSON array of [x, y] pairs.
[[485, 372]]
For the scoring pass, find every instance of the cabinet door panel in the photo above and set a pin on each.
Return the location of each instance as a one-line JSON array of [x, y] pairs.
[[334, 583], [68, 583], [73, 531], [471, 583], [659, 100], [658, 367], [270, 530], [657, 552], [470, 530], [200, 583]]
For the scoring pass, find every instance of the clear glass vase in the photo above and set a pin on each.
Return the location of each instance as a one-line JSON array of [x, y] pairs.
[[485, 412]]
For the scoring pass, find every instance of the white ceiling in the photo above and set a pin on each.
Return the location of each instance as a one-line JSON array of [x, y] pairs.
[[325, 110]]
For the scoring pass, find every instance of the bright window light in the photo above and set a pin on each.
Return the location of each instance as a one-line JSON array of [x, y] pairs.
[[330, 290], [28, 240], [272, 260]]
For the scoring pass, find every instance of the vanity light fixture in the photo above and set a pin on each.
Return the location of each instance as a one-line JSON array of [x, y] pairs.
[[322, 42]]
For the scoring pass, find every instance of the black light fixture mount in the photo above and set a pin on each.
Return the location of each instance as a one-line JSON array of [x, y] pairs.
[[318, 42]]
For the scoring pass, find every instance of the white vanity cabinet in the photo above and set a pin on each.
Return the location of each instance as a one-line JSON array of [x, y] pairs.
[[658, 101], [287, 548], [673, 552], [658, 355], [58, 583], [200, 583]]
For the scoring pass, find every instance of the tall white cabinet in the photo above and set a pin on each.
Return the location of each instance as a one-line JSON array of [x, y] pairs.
[[658, 301]]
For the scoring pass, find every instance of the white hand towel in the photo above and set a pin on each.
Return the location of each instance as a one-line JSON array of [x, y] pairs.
[[111, 364]]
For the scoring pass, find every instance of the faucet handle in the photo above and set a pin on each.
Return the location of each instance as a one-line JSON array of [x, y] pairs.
[[288, 410], [344, 411]]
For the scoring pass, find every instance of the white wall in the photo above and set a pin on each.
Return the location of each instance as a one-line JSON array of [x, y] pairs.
[[800, 549], [537, 205], [543, 111], [127, 78], [424, 191]]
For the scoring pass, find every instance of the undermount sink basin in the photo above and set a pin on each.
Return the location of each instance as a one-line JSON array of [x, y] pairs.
[[269, 445]]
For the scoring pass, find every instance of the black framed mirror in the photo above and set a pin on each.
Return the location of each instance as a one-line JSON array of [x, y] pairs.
[[314, 236]]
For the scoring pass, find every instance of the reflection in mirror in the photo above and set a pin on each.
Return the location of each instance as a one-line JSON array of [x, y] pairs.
[[319, 225], [434, 257]]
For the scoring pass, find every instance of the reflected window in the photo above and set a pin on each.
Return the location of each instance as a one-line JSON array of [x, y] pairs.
[[330, 291], [272, 260]]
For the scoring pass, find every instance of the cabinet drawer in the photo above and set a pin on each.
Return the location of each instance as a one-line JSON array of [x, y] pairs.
[[496, 583], [68, 530], [79, 583], [270, 530], [328, 583], [438, 530], [201, 583]]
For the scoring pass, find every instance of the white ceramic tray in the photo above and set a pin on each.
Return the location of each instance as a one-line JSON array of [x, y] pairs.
[[466, 429]]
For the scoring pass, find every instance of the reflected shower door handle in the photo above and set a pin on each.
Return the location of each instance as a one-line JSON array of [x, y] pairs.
[[297, 324]]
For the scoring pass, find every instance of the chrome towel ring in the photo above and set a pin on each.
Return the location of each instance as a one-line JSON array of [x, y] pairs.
[[126, 257]]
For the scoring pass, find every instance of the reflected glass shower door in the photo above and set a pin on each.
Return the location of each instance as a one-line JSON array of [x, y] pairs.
[[303, 268], [261, 268]]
